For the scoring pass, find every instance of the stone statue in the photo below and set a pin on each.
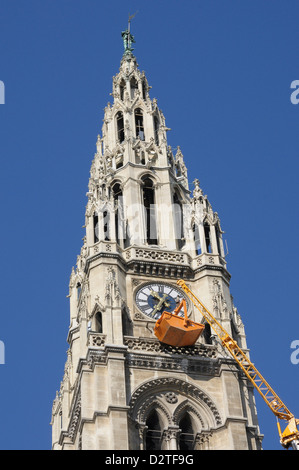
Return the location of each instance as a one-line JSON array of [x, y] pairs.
[[128, 39]]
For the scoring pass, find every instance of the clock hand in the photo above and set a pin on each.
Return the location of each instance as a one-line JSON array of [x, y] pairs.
[[159, 304], [157, 296]]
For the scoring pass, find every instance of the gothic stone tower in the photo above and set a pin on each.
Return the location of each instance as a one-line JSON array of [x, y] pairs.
[[123, 389]]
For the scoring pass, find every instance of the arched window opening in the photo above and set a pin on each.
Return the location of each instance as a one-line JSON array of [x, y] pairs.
[[117, 192], [150, 212], [79, 288], [122, 87], [134, 87], [143, 89], [207, 334], [120, 127], [179, 222], [207, 230], [186, 441], [106, 222], [156, 129], [127, 240], [154, 432], [95, 227], [99, 323], [126, 324], [117, 196], [218, 238], [196, 238], [139, 124]]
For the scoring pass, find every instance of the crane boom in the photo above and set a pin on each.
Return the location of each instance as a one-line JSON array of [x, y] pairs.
[[290, 436]]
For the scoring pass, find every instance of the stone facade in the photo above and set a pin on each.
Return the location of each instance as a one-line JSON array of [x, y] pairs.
[[123, 389]]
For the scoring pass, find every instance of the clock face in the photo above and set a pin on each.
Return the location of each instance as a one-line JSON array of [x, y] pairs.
[[155, 298]]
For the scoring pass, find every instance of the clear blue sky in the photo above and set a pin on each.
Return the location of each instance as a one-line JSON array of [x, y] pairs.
[[221, 71]]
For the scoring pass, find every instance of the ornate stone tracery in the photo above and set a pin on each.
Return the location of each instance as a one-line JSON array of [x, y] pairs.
[[152, 387], [158, 395]]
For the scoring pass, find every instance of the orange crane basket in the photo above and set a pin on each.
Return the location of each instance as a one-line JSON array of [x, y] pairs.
[[175, 330]]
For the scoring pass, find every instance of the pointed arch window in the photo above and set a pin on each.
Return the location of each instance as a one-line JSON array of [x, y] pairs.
[[207, 230], [154, 431], [126, 324], [196, 237], [95, 227], [207, 334], [99, 322], [186, 441], [120, 127], [122, 87], [143, 89], [106, 223], [150, 212], [179, 221], [134, 87], [119, 216], [79, 288], [61, 421], [218, 240], [139, 124]]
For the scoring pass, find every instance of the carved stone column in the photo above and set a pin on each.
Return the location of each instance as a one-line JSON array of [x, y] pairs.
[[202, 440], [142, 429], [170, 438]]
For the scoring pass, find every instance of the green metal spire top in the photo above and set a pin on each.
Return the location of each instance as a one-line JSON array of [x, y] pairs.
[[128, 39]]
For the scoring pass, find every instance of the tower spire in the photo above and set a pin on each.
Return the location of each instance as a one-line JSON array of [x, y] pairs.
[[143, 231]]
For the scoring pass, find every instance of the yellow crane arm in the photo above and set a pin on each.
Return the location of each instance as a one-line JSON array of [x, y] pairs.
[[291, 433]]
